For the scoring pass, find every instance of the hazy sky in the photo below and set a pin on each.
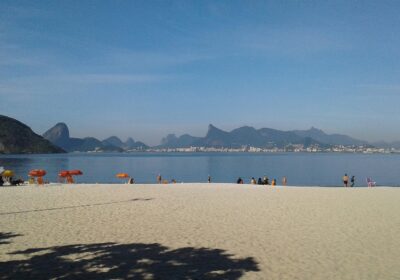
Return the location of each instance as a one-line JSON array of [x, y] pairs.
[[148, 68]]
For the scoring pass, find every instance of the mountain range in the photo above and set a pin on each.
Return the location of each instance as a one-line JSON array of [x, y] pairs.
[[16, 137], [263, 137], [59, 135]]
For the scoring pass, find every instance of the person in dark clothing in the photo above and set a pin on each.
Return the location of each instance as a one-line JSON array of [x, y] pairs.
[[352, 181], [1, 181], [266, 180], [17, 182], [239, 181], [259, 182]]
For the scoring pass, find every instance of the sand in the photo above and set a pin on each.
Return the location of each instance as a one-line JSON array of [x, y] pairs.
[[197, 231]]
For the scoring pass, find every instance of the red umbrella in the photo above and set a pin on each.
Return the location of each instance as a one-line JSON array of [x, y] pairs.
[[38, 173], [64, 173], [75, 172]]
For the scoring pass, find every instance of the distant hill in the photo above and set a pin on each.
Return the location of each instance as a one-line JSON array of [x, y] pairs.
[[18, 138], [129, 144], [243, 136], [59, 135], [331, 139], [171, 141]]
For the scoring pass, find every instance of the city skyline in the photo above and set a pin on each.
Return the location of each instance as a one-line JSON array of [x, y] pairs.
[[145, 69]]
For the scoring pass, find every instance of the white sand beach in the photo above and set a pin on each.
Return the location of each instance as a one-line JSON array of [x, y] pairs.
[[197, 231]]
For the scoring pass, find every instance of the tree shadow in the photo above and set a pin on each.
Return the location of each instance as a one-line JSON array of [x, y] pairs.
[[125, 261], [4, 236]]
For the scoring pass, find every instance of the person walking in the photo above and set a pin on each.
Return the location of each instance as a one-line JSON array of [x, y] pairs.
[[352, 181], [209, 179], [284, 181], [159, 179], [345, 180]]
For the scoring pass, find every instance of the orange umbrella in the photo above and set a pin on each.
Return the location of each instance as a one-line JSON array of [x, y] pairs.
[[64, 173], [75, 172], [122, 175], [37, 173], [71, 173]]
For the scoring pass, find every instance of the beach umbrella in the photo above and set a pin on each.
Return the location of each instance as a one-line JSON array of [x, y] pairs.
[[63, 173], [122, 175], [38, 173], [75, 172], [7, 173], [71, 173]]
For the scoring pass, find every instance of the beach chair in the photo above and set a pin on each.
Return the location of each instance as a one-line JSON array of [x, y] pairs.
[[370, 182]]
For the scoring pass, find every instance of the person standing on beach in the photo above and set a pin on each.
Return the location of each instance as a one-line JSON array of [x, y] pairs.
[[345, 180], [284, 181], [209, 179], [352, 181], [159, 179], [253, 181]]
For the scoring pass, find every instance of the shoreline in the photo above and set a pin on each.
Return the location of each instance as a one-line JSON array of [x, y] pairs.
[[53, 184]]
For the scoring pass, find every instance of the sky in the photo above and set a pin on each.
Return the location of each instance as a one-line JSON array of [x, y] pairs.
[[144, 69]]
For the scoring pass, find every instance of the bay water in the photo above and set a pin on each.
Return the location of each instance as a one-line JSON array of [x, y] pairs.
[[301, 169]]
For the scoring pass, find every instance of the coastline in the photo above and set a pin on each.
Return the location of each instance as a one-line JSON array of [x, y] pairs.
[[281, 232]]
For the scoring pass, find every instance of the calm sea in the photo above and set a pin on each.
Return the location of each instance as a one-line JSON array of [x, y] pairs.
[[324, 169]]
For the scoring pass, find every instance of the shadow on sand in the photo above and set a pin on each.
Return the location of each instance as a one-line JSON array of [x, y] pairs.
[[124, 261], [4, 236]]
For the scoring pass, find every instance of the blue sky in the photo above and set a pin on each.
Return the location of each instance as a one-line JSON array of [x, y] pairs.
[[148, 68]]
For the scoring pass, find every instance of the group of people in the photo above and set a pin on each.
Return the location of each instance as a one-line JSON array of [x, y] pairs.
[[160, 180], [345, 179], [11, 181], [264, 181]]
